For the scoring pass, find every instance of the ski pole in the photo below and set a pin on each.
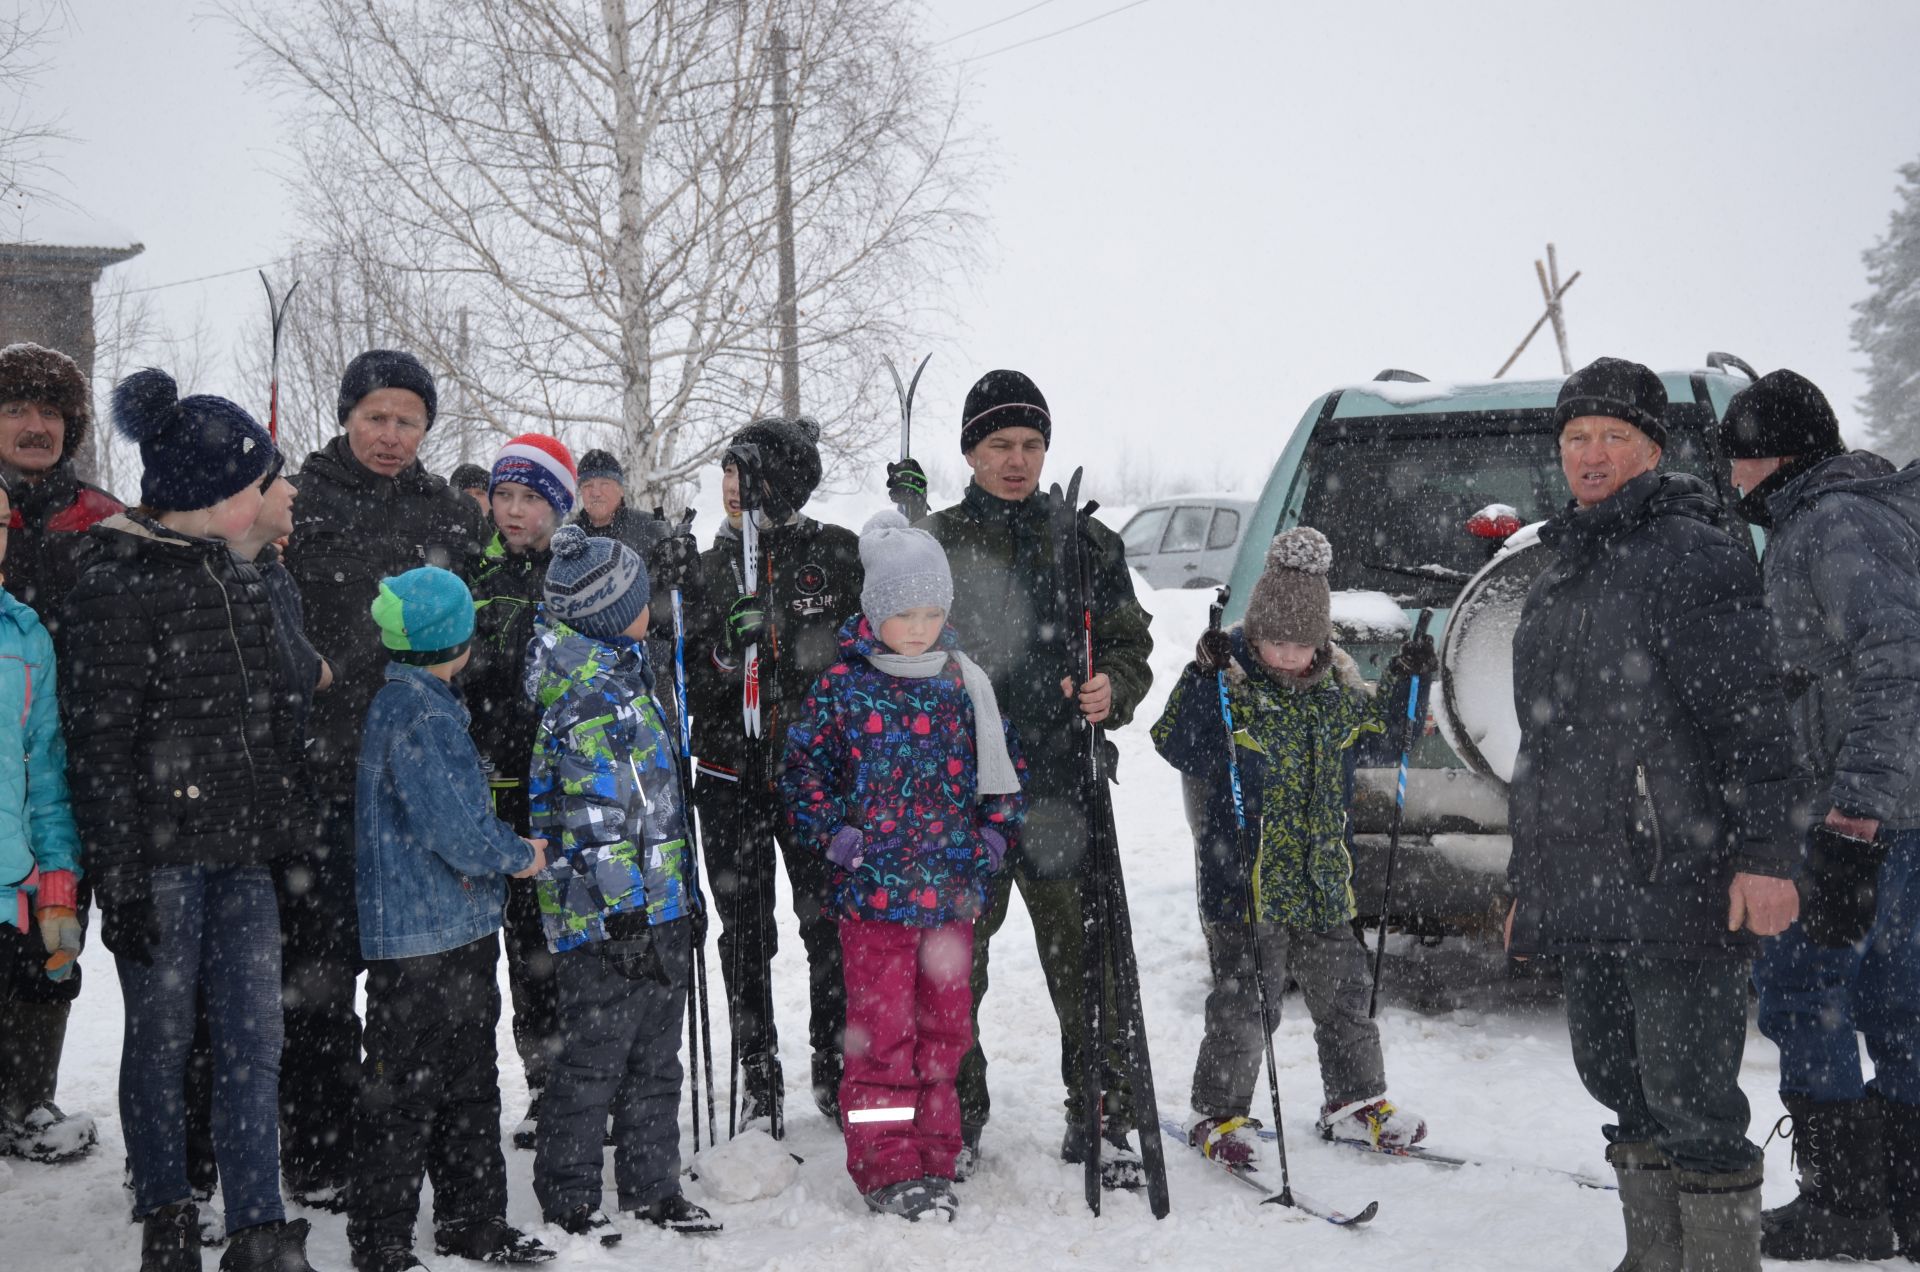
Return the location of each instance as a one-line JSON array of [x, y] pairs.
[[1393, 831], [1248, 858]]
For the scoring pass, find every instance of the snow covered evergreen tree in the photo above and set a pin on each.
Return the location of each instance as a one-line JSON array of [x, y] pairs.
[[1888, 328]]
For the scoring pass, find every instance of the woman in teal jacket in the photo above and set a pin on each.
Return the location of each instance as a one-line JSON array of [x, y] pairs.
[[39, 868]]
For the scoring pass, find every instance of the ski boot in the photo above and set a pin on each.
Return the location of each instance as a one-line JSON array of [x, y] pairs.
[[1377, 1124], [1841, 1212], [170, 1239], [676, 1214], [1227, 1140], [490, 1241]]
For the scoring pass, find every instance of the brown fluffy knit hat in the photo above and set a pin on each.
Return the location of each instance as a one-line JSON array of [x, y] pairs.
[[35, 373], [1290, 602]]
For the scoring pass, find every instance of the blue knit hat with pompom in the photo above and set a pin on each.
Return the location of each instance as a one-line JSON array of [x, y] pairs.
[[197, 450]]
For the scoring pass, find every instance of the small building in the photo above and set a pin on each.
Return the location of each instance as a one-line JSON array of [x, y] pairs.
[[50, 258]]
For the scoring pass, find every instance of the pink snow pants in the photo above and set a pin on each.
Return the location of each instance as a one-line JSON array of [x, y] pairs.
[[909, 1020]]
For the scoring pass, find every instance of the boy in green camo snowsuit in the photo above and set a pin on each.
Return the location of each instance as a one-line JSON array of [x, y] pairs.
[[1298, 704]]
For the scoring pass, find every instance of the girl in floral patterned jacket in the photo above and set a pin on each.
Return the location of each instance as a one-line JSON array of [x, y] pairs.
[[903, 774]]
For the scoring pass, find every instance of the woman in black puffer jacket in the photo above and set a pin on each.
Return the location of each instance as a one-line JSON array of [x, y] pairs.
[[180, 749]]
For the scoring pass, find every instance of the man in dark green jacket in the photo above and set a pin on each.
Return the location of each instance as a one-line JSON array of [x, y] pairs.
[[1007, 614]]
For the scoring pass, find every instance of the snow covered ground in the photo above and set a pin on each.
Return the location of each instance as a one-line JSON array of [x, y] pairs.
[[1493, 1076]]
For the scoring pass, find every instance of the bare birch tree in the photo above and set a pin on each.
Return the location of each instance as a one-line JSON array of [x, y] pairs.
[[567, 207], [26, 29]]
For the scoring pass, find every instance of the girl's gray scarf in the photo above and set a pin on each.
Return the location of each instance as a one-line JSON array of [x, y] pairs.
[[997, 774]]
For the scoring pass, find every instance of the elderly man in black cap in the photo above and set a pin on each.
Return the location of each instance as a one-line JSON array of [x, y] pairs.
[[367, 509], [1654, 814], [807, 585], [1842, 573]]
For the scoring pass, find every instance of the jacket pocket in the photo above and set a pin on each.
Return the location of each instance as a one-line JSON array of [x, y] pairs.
[[1649, 844]]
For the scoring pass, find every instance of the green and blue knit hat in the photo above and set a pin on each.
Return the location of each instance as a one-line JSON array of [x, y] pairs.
[[425, 616]]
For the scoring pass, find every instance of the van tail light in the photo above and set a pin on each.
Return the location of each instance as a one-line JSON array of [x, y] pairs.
[[1495, 521]]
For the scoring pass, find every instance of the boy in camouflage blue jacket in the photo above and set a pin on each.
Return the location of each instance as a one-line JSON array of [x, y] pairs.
[[617, 901], [1299, 704]]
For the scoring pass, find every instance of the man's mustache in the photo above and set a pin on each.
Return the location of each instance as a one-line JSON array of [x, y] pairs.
[[34, 441]]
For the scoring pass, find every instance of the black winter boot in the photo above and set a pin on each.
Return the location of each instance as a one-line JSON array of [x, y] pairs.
[[766, 1089], [827, 1067], [170, 1239], [1900, 1135], [1841, 1212], [280, 1246]]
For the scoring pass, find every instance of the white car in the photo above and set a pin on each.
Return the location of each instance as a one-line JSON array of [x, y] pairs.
[[1187, 542]]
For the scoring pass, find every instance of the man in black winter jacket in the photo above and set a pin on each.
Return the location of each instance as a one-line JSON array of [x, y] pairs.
[[1843, 583], [367, 509], [809, 584], [1653, 812]]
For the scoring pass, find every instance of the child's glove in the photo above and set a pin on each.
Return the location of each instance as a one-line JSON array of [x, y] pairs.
[[1416, 658], [996, 848], [1213, 651], [1841, 890], [56, 912], [746, 623], [848, 848]]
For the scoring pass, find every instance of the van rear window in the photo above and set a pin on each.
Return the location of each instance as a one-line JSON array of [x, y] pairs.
[[1393, 493], [1394, 501]]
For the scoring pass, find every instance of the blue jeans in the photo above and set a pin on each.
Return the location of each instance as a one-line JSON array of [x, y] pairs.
[[1812, 1000], [219, 934]]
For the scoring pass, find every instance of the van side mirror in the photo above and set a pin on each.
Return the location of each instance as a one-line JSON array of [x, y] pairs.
[[1498, 522]]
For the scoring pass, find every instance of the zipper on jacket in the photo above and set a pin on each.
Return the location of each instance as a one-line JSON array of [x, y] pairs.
[[1646, 804], [246, 682]]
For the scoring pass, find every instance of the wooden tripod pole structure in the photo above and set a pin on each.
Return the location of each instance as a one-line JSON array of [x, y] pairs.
[[1553, 290]]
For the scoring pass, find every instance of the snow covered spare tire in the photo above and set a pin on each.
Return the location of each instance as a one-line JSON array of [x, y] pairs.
[[1475, 706]]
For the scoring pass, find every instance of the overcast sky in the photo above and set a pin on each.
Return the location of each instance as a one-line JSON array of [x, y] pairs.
[[1205, 212]]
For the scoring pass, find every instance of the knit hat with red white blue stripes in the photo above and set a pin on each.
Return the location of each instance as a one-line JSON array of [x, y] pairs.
[[541, 463]]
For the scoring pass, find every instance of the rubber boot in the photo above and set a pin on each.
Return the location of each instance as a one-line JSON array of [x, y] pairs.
[[1650, 1204], [1900, 1138], [39, 1036], [170, 1239], [1720, 1220], [1841, 1212]]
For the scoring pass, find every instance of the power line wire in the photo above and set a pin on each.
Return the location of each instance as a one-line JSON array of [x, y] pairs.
[[1008, 48], [227, 273], [989, 25]]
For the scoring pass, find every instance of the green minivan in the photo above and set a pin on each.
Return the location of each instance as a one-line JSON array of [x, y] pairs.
[[1428, 493]]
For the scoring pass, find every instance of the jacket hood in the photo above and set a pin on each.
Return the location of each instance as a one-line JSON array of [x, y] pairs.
[[1329, 661], [857, 638], [151, 536], [1856, 472], [17, 612], [1650, 495]]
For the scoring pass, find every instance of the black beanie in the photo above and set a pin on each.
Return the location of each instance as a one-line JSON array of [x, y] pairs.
[[789, 460], [195, 451], [1782, 414], [467, 476], [1619, 390], [1003, 399], [386, 369]]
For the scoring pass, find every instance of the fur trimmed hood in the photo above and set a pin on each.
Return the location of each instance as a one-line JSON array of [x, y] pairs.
[[1329, 660]]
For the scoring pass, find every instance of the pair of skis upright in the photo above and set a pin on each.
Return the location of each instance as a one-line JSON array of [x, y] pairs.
[[1108, 953]]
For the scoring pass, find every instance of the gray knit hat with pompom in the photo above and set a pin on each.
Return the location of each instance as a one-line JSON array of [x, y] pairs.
[[1290, 603], [905, 569]]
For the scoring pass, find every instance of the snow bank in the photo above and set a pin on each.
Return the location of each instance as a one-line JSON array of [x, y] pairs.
[[1369, 617]]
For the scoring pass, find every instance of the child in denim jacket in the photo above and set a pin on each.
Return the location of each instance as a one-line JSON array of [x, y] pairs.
[[618, 902], [903, 774], [431, 866]]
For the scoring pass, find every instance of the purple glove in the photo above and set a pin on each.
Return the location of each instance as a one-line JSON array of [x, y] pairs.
[[996, 848], [846, 848]]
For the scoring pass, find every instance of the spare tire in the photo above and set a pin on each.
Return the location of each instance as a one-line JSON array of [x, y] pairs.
[[1475, 707]]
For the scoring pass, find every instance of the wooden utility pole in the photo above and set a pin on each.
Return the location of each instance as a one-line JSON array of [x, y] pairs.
[[783, 210], [1554, 290]]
